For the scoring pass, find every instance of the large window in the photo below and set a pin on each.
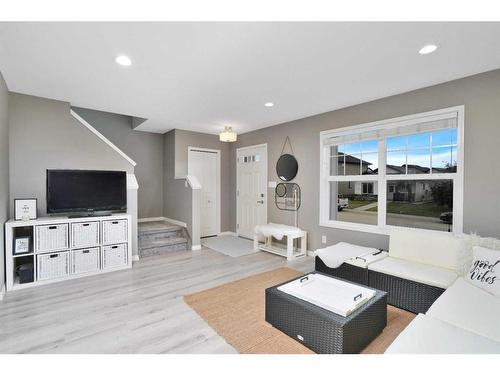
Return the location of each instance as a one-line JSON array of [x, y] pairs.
[[400, 172]]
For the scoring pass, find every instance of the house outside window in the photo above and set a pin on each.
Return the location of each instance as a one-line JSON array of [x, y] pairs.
[[406, 172], [367, 188]]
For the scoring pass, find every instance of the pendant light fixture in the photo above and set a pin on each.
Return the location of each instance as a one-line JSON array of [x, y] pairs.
[[228, 135]]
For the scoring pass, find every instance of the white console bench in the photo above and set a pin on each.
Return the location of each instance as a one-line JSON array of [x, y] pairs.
[[279, 231], [62, 248]]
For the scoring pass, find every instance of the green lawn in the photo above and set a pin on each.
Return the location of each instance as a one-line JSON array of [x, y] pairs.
[[355, 203], [429, 209]]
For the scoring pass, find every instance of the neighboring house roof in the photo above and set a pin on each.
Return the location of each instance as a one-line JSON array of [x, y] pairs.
[[402, 169], [394, 168], [418, 168], [349, 159]]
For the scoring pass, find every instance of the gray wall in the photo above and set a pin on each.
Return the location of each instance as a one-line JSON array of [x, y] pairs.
[[184, 139], [4, 172], [481, 96], [146, 149], [177, 197], [44, 135]]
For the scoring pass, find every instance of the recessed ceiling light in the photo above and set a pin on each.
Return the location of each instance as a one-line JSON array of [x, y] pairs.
[[123, 60], [269, 104], [427, 49]]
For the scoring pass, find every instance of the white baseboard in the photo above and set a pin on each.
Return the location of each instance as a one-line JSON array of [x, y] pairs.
[[177, 222], [149, 219], [227, 234], [135, 258], [2, 292], [196, 247]]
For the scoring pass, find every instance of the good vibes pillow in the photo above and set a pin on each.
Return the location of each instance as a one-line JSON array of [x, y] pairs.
[[485, 270]]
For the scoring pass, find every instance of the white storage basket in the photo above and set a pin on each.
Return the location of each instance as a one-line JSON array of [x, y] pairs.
[[85, 260], [85, 234], [114, 231], [52, 237], [114, 256], [52, 266]]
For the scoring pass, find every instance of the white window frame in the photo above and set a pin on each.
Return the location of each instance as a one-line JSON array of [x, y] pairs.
[[381, 178]]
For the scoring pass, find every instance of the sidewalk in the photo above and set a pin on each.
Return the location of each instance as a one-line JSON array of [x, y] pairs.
[[365, 207]]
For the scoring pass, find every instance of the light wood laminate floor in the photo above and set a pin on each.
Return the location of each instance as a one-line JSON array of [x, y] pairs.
[[133, 311]]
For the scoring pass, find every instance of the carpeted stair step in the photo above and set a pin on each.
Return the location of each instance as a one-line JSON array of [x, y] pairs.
[[160, 237], [157, 226], [157, 235], [161, 246]]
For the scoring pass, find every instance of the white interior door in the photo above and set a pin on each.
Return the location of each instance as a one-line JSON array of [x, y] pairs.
[[251, 194], [205, 166]]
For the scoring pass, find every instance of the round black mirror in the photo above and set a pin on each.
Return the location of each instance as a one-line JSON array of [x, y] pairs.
[[287, 167]]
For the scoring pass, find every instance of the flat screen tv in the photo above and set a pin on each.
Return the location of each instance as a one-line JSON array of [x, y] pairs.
[[87, 192]]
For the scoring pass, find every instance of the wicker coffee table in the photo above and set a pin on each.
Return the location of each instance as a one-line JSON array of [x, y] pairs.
[[321, 330]]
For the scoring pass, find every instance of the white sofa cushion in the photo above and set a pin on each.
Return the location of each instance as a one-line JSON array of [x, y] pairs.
[[485, 270], [426, 335], [422, 273], [437, 249], [469, 307]]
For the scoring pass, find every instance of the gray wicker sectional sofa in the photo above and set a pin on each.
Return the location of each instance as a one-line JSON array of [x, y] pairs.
[[346, 271], [418, 269], [430, 274]]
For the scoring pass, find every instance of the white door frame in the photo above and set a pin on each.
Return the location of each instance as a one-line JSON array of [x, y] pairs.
[[218, 179], [238, 181]]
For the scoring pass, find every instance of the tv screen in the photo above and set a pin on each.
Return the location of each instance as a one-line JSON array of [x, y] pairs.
[[86, 191]]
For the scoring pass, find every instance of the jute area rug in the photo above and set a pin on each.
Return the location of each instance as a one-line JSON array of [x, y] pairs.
[[236, 312]]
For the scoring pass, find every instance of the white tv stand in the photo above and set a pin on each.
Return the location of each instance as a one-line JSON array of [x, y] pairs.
[[61, 248]]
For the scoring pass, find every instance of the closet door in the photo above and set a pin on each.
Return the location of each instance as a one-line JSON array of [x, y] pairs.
[[204, 165]]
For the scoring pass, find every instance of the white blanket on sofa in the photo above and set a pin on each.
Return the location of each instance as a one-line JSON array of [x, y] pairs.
[[333, 256]]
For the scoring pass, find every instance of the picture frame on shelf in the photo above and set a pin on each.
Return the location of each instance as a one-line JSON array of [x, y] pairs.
[[21, 246], [25, 209]]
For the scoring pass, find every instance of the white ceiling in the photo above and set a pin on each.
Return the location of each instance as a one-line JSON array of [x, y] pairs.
[[202, 76]]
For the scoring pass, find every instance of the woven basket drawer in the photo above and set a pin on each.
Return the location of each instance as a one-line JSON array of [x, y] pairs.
[[85, 260], [84, 234], [52, 266], [52, 237], [114, 231], [114, 256]]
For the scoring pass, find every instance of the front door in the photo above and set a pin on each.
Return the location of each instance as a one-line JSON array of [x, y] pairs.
[[251, 193], [204, 165]]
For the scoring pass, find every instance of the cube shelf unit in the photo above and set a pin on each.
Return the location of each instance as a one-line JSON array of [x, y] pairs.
[[61, 248]]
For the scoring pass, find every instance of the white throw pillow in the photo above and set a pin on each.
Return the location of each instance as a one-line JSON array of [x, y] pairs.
[[485, 270]]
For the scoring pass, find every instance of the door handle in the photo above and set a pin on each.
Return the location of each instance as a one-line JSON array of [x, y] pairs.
[[261, 202]]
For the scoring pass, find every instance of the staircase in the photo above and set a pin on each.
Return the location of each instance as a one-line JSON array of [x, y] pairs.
[[160, 237]]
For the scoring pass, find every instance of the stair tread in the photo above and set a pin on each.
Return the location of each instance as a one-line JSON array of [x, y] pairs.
[[162, 242], [157, 227], [162, 250]]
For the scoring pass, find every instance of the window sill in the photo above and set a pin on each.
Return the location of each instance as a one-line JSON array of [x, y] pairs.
[[377, 230], [355, 227]]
